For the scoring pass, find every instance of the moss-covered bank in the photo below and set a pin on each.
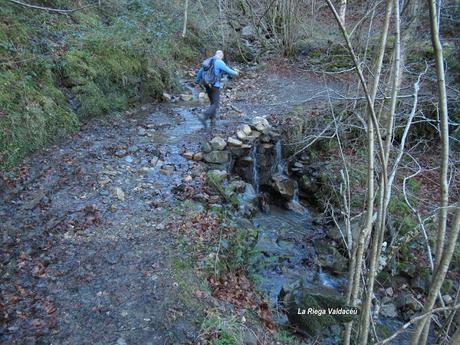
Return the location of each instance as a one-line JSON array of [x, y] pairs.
[[57, 70]]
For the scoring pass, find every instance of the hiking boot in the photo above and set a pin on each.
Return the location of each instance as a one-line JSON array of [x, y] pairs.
[[203, 121]]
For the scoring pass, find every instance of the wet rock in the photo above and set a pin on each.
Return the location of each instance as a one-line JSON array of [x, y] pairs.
[[167, 169], [133, 149], [188, 178], [186, 97], [296, 207], [234, 142], [217, 144], [198, 156], [421, 282], [167, 96], [207, 147], [284, 185], [119, 194], [317, 297], [248, 199], [406, 301], [217, 157], [389, 310], [447, 299], [129, 159], [309, 184], [330, 258], [188, 155], [141, 131], [154, 161], [160, 226], [144, 170], [389, 291], [120, 153], [121, 341]]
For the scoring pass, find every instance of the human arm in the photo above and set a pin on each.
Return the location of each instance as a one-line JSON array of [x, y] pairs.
[[224, 68], [199, 75]]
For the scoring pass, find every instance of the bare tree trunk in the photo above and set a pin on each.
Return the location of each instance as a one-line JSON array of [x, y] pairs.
[[221, 20], [442, 254], [384, 187], [437, 280], [184, 30], [343, 10], [443, 114]]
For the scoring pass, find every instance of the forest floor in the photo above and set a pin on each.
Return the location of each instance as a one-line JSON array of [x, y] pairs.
[[91, 249]]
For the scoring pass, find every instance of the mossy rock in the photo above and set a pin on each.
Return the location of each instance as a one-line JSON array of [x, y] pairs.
[[316, 302]]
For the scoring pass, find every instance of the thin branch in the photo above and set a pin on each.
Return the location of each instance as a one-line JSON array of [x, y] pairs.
[[49, 9], [415, 319]]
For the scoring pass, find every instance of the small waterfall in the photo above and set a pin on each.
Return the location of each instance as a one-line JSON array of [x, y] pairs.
[[278, 168], [294, 204], [295, 197], [278, 164], [255, 173]]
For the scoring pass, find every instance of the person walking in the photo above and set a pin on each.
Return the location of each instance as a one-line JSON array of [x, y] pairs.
[[209, 76]]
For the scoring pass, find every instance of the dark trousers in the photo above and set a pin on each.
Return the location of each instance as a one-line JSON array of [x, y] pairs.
[[214, 96]]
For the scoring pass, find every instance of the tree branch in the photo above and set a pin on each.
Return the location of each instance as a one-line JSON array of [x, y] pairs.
[[415, 319], [49, 9]]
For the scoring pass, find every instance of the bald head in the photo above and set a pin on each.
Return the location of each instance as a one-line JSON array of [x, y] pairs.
[[219, 54]]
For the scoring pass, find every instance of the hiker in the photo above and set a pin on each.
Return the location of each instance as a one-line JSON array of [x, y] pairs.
[[209, 76]]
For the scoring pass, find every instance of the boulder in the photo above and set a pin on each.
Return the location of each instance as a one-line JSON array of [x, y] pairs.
[[217, 157], [234, 141], [330, 258], [260, 123], [198, 156], [246, 129], [207, 147], [317, 297], [217, 143], [406, 301], [389, 310], [241, 135], [284, 185]]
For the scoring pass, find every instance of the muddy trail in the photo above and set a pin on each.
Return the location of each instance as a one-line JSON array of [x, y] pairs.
[[88, 224]]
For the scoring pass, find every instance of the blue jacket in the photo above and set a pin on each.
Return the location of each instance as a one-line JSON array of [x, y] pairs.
[[219, 66]]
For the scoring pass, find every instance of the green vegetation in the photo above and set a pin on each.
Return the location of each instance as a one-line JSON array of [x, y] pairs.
[[58, 70]]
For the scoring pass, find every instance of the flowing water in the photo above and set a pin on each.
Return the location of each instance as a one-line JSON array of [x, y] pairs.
[[255, 173]]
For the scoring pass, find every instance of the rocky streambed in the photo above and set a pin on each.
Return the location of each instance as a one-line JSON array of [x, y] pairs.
[[297, 261]]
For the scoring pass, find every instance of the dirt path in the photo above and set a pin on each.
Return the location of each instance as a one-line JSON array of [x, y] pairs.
[[87, 248]]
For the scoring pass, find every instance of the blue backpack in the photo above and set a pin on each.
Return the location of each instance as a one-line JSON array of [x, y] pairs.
[[209, 77]]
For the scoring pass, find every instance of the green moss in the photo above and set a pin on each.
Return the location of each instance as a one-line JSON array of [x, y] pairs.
[[103, 60]]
